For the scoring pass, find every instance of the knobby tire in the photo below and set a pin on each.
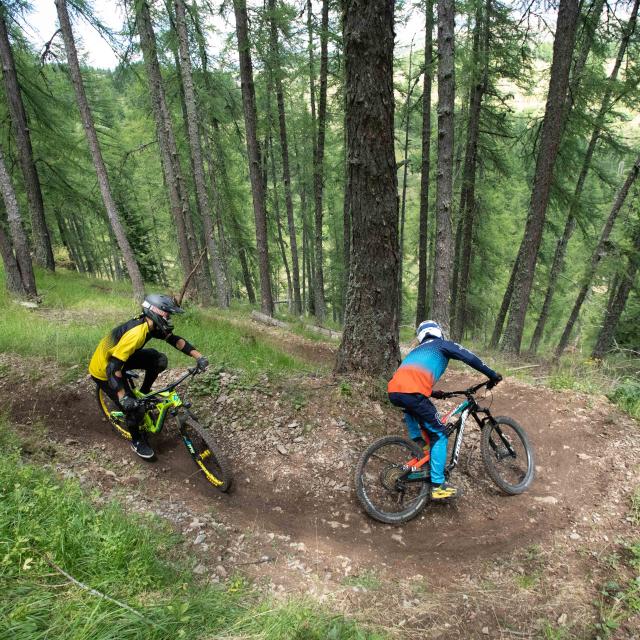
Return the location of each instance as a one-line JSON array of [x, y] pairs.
[[368, 494], [206, 454], [513, 475]]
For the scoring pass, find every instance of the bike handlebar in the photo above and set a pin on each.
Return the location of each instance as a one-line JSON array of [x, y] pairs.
[[465, 392], [192, 371]]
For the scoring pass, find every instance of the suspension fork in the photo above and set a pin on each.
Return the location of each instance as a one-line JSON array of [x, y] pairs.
[[489, 420]]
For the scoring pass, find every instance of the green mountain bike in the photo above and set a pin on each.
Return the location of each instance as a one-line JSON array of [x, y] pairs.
[[393, 480], [167, 403]]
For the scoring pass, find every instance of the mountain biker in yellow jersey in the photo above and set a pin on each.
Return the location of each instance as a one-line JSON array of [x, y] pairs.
[[122, 349], [411, 386]]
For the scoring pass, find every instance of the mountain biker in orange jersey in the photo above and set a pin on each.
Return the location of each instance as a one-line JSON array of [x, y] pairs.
[[411, 386], [122, 349]]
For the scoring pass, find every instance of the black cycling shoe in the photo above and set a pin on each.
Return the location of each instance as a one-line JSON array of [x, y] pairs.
[[142, 448]]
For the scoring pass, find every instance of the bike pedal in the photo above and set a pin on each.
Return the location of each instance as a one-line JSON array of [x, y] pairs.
[[417, 475]]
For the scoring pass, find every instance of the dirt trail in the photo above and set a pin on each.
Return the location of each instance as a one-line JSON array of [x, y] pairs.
[[293, 521]]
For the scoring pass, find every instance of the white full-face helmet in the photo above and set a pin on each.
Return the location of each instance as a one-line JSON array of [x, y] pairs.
[[429, 329]]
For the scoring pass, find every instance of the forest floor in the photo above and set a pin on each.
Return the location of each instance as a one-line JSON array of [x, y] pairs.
[[551, 563]]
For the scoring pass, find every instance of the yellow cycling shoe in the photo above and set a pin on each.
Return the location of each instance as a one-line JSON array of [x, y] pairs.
[[445, 491]]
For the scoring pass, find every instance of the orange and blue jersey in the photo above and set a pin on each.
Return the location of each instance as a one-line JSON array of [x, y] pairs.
[[425, 364]]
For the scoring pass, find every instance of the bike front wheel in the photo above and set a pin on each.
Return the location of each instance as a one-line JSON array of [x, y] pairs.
[[385, 489], [206, 453], [507, 455]]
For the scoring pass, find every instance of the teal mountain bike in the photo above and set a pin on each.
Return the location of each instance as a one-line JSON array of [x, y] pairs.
[[392, 478]]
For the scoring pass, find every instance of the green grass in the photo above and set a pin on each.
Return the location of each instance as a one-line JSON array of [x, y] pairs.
[[136, 561], [77, 311]]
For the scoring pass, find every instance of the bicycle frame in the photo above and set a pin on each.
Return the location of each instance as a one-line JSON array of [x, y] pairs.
[[466, 408], [169, 404]]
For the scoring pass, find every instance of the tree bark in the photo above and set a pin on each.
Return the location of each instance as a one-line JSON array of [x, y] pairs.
[[570, 225], [257, 185], [11, 271], [284, 150], [552, 127], [318, 164], [596, 256], [165, 134], [196, 153], [276, 210], [423, 244], [468, 205], [96, 153], [441, 301], [615, 309], [41, 238], [18, 236], [370, 338], [405, 169]]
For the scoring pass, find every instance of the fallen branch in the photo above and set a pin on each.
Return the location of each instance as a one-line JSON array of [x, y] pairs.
[[265, 319], [526, 366], [95, 592]]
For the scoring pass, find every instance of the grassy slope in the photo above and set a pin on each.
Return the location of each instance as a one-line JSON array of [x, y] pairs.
[[76, 312], [139, 563], [136, 561]]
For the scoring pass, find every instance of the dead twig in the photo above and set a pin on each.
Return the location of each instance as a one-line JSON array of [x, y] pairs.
[[95, 592], [180, 296]]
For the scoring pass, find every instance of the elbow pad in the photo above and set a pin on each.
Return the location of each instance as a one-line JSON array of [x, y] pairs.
[[173, 341], [114, 381]]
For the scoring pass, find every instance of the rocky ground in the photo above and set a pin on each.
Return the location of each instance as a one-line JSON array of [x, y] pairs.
[[491, 565]]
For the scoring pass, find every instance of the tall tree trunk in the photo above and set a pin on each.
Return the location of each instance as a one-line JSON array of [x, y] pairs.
[[468, 205], [441, 301], [312, 76], [96, 153], [617, 305], [346, 223], [370, 337], [552, 126], [164, 131], [41, 237], [276, 210], [421, 305], [405, 168], [257, 185], [596, 256], [587, 38], [202, 279], [284, 150], [570, 225], [318, 173], [196, 153], [16, 231], [12, 277], [504, 307]]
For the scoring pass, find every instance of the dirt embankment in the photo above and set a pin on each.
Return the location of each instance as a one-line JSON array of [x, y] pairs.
[[488, 566]]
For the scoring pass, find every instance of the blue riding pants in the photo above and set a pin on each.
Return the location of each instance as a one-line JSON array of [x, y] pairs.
[[419, 410]]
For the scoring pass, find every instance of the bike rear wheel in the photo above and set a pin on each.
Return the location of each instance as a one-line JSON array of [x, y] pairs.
[[206, 453], [507, 455], [113, 413], [381, 484]]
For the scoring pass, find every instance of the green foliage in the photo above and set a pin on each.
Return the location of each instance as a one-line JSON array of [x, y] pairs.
[[77, 312], [627, 396], [47, 526]]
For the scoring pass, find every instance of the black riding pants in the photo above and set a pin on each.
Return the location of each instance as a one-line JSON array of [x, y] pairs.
[[152, 362]]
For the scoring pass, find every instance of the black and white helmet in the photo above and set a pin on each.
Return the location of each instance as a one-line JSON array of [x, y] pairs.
[[429, 329], [158, 308]]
